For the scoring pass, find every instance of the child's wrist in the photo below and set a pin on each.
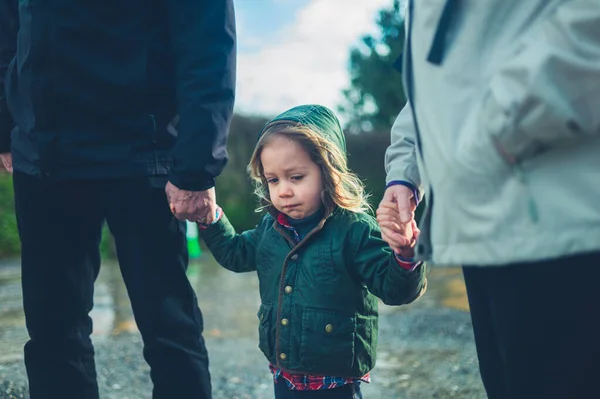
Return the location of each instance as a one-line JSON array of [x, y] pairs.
[[408, 264], [405, 257]]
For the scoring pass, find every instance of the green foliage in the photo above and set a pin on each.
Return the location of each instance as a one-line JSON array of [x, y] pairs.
[[107, 245], [9, 237], [234, 188], [376, 95]]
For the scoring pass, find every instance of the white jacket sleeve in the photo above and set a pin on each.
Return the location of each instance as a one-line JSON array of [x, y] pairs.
[[401, 155], [549, 90]]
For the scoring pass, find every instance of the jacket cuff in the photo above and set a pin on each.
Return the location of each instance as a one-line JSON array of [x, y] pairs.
[[214, 233], [408, 264], [5, 132], [191, 183], [4, 145], [408, 184]]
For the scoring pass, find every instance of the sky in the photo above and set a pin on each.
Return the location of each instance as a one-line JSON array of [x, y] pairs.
[[293, 52]]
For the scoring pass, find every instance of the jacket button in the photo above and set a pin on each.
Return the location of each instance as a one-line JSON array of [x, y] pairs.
[[294, 257], [328, 328], [285, 322], [288, 289], [282, 356]]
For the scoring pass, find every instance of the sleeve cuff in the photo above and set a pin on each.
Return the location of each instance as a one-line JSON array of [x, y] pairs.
[[408, 184], [408, 264], [4, 141], [189, 183]]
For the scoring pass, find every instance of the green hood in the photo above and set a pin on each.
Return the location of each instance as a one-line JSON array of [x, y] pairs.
[[319, 118]]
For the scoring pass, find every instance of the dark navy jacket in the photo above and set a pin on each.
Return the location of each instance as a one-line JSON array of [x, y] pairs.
[[97, 89]]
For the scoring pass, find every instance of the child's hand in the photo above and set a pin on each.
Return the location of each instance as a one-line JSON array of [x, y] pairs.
[[400, 236]]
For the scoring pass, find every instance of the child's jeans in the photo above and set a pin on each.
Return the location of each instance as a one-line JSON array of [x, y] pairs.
[[349, 391]]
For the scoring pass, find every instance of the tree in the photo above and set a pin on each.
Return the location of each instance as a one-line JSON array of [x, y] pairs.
[[234, 187], [376, 95]]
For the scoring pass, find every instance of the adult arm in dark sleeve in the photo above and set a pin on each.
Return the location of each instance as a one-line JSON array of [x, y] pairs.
[[203, 39], [9, 26]]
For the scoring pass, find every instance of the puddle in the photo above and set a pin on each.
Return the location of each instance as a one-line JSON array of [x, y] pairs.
[[228, 301]]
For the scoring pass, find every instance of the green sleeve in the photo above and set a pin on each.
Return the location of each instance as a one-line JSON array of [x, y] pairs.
[[375, 265], [236, 252]]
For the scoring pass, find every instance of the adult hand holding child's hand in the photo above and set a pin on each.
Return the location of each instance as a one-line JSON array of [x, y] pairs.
[[195, 206], [395, 216]]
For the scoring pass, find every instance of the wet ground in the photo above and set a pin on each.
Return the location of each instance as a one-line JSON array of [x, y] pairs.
[[426, 349]]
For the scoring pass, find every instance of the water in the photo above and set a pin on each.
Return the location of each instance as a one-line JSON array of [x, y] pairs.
[[228, 300]]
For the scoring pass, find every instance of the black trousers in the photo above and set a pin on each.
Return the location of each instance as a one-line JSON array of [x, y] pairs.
[[60, 228], [537, 327], [349, 391]]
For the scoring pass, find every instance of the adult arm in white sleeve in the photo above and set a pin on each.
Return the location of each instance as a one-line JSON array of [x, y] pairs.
[[401, 155]]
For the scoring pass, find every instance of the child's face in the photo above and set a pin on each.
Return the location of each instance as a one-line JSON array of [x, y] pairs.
[[294, 180]]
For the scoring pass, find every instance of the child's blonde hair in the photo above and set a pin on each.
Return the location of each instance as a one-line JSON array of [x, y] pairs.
[[341, 187]]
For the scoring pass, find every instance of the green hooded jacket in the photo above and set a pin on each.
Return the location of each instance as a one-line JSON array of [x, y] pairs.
[[318, 312]]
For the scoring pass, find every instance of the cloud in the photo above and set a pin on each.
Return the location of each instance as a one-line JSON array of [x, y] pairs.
[[305, 61]]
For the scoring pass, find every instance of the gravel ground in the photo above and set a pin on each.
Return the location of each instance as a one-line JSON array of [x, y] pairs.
[[426, 350]]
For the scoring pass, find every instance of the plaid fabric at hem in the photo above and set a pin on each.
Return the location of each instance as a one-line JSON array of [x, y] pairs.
[[302, 382]]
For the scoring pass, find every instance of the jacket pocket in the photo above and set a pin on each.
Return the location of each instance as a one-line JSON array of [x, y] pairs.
[[476, 154], [327, 341], [265, 335]]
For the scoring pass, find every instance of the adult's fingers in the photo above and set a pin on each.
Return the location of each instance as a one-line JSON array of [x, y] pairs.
[[386, 217], [197, 212], [387, 207], [7, 162], [389, 233], [186, 210], [205, 213], [393, 245], [206, 205], [416, 230], [210, 213], [391, 224], [178, 211]]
